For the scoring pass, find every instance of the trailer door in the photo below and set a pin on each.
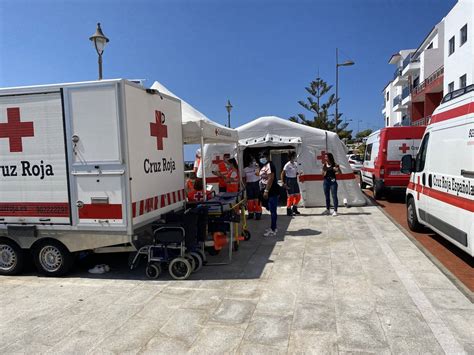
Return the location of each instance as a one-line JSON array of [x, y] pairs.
[[33, 169]]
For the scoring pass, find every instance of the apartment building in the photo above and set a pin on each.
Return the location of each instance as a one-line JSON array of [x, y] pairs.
[[442, 62]]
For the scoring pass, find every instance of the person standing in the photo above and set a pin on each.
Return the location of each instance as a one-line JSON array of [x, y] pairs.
[[271, 191], [232, 177], [289, 176], [330, 169], [197, 161], [221, 172], [252, 186]]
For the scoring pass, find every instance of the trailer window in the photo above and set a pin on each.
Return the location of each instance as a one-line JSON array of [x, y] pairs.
[[368, 152], [421, 156]]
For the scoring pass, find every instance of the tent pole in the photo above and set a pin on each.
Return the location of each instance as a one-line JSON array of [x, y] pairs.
[[203, 167]]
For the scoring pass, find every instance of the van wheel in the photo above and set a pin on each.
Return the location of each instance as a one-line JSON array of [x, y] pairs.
[[52, 258], [412, 219], [377, 189], [12, 257], [363, 185]]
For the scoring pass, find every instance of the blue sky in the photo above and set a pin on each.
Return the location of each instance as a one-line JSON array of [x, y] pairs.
[[258, 53]]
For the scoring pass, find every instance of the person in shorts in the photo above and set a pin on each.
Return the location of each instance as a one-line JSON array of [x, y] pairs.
[[289, 176]]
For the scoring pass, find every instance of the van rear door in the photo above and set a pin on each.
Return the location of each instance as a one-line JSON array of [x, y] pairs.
[[33, 169]]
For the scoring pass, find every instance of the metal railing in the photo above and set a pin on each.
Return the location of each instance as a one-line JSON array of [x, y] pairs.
[[409, 60], [420, 87], [422, 121], [397, 100]]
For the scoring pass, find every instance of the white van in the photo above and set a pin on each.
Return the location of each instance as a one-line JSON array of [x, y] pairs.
[[440, 193]]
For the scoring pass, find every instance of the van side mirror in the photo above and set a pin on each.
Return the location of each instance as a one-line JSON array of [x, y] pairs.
[[407, 165]]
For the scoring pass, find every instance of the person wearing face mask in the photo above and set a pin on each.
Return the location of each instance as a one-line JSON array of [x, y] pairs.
[[270, 191], [232, 178], [222, 171], [290, 183], [252, 186]]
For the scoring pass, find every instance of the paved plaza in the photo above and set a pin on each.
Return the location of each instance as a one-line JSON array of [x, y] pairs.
[[348, 284]]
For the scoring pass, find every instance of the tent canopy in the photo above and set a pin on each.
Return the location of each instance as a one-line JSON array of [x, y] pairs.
[[197, 125]]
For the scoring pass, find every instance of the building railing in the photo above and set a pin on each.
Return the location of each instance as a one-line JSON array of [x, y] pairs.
[[405, 92], [397, 100], [420, 87], [422, 121]]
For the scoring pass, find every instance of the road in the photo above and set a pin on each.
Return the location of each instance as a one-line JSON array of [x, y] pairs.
[[456, 261]]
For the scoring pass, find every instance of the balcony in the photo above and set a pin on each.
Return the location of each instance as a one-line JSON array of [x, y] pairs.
[[410, 65], [406, 97], [397, 104], [433, 83], [398, 78], [422, 122]]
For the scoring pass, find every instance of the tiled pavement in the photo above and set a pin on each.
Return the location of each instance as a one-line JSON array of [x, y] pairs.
[[352, 283]]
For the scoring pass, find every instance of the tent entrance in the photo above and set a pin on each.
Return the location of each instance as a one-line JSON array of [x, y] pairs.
[[279, 157]]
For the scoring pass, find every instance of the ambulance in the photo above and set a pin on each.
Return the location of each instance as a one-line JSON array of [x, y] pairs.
[[384, 150], [440, 194], [85, 166]]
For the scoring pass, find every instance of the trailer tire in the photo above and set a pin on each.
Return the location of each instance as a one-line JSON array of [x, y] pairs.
[[12, 257], [180, 269], [197, 260], [52, 258], [412, 219]]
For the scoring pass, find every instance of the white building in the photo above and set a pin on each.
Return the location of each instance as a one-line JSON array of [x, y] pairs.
[[443, 62], [459, 46]]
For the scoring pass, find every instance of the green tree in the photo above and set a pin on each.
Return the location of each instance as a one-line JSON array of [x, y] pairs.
[[319, 103], [364, 133]]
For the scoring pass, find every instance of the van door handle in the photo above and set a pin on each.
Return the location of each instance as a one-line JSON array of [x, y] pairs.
[[430, 180], [423, 179], [467, 173]]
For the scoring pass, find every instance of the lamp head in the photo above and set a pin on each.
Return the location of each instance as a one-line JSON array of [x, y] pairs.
[[228, 106], [347, 63], [99, 40]]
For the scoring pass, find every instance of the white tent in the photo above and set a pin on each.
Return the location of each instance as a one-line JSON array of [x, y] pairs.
[[198, 129], [196, 126], [310, 144]]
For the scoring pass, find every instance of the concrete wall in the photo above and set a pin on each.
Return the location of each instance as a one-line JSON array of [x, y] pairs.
[[461, 61]]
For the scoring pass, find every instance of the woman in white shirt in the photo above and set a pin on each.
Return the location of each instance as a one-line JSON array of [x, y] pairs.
[[290, 183], [252, 180]]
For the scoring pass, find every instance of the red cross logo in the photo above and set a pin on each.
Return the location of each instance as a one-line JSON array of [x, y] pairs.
[[217, 160], [199, 196], [159, 129], [321, 157], [404, 148], [15, 130]]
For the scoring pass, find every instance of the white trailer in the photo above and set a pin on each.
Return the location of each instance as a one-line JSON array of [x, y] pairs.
[[85, 166]]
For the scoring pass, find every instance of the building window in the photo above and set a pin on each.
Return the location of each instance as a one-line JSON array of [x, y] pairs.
[[451, 45], [463, 34], [462, 81], [430, 46], [387, 95], [451, 86]]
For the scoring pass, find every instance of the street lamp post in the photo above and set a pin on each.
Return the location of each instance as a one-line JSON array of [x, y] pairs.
[[99, 40], [228, 108], [345, 64]]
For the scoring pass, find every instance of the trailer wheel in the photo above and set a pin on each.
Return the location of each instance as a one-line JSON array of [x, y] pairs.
[[12, 257], [180, 269], [246, 234], [197, 260], [412, 219], [52, 258], [153, 271]]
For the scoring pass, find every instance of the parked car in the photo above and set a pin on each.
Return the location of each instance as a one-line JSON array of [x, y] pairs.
[[383, 153], [440, 194], [356, 162]]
